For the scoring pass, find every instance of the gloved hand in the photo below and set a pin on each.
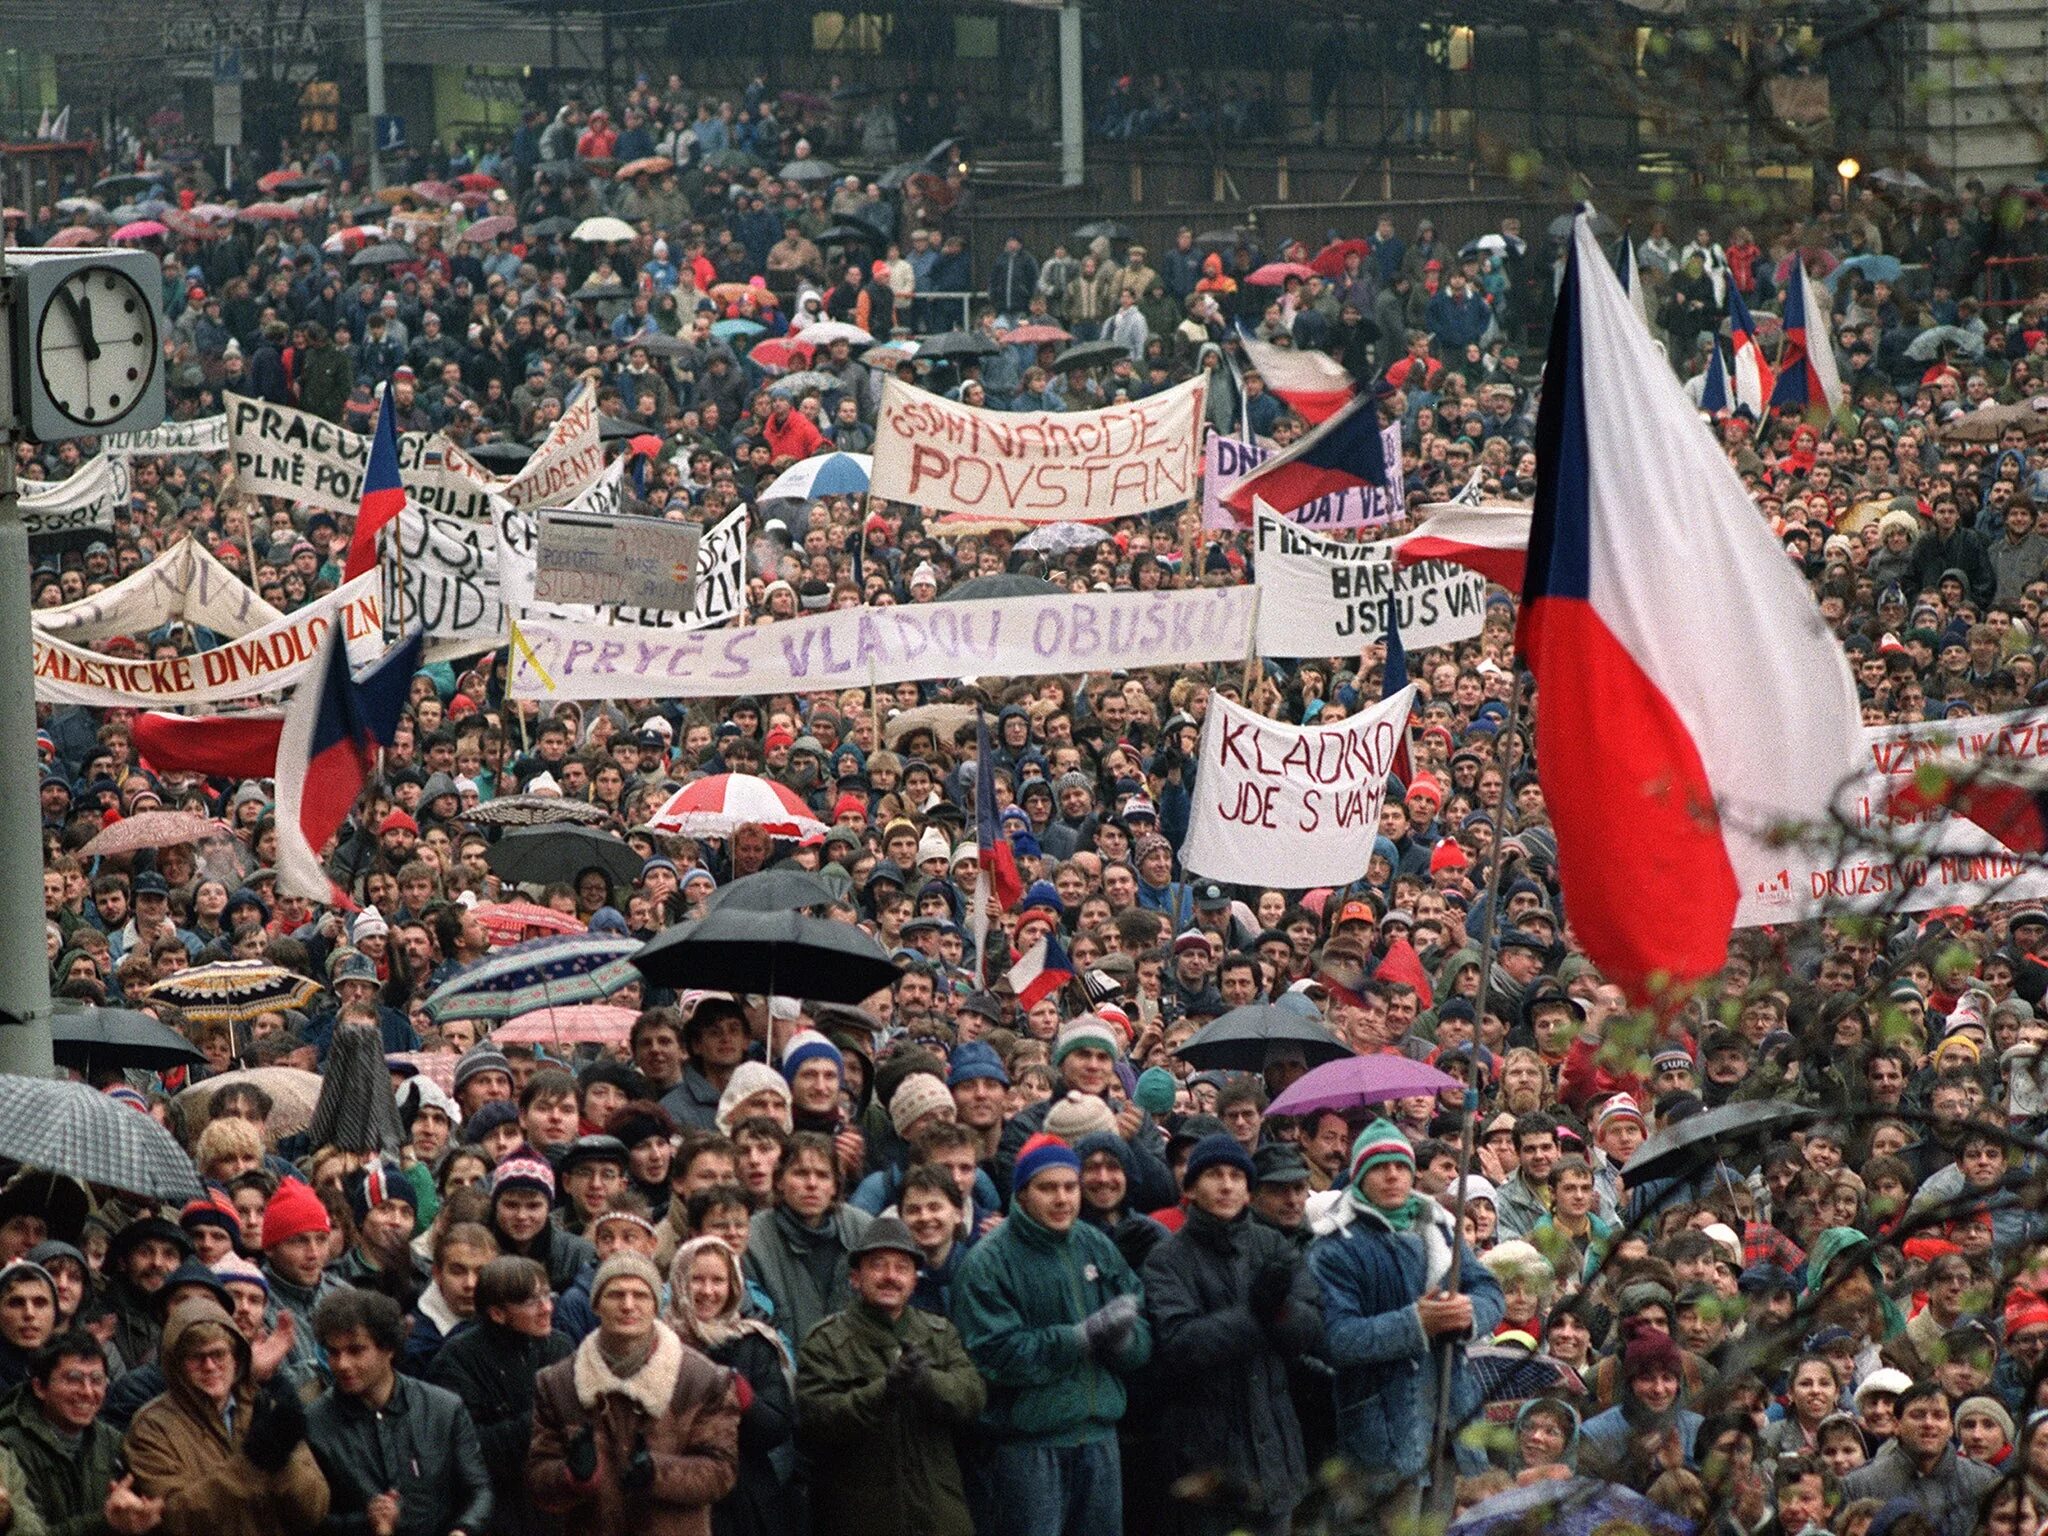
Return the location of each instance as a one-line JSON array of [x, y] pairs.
[[638, 1472], [1105, 1330], [582, 1454], [905, 1368], [277, 1424], [1269, 1290]]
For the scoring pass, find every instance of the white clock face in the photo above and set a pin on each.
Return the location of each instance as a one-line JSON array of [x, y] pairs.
[[96, 345]]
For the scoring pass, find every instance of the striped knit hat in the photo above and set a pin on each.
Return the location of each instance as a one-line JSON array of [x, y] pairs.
[[1380, 1142]]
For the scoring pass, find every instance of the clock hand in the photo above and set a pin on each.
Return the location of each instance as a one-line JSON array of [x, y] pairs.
[[81, 317]]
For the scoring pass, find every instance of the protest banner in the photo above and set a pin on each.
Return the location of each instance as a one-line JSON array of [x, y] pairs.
[[1038, 466], [262, 661], [1290, 804], [445, 573], [1227, 460], [85, 499], [568, 460], [1907, 864], [613, 559], [203, 434], [721, 582], [282, 452], [1322, 597], [856, 647], [183, 584]]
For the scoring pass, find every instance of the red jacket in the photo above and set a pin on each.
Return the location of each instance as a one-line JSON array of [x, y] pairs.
[[795, 438]]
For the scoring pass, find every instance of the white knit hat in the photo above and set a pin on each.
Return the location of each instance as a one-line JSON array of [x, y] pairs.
[[917, 1096]]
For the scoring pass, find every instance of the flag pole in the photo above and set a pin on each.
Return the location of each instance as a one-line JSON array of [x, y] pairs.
[[1440, 1486]]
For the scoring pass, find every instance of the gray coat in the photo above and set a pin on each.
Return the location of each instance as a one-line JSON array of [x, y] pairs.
[[1947, 1496], [776, 1264]]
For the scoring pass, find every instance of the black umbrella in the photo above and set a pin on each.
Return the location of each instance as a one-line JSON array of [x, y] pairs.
[[596, 292], [562, 170], [661, 344], [777, 953], [850, 234], [1240, 1039], [71, 1128], [772, 890], [88, 1040], [958, 344], [1002, 584], [1701, 1140], [1091, 354], [503, 454], [612, 430], [385, 253], [543, 855], [1220, 239], [291, 186], [553, 224], [1103, 229]]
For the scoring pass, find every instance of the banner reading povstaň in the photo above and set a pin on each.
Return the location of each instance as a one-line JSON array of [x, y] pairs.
[[304, 458], [1323, 597], [1038, 466], [84, 499], [1227, 460], [262, 661], [183, 584], [1910, 865], [1299, 804], [913, 642]]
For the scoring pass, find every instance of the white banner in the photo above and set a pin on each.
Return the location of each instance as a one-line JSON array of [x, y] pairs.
[[262, 661], [1299, 805], [1321, 597], [204, 434], [449, 568], [854, 647], [184, 583], [1039, 466], [1912, 865], [568, 461], [282, 452], [85, 499], [1227, 460]]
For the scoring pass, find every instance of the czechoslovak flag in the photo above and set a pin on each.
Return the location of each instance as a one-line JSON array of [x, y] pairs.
[[1492, 540], [1691, 698], [1044, 969], [383, 493], [1806, 366], [1314, 384], [1753, 377]]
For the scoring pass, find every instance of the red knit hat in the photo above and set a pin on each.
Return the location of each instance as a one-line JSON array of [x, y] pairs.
[[1448, 855], [2025, 1310], [1651, 1351], [294, 1209]]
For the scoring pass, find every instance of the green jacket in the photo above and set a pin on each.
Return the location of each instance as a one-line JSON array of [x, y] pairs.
[[22, 1492], [68, 1487], [1018, 1304], [883, 1461]]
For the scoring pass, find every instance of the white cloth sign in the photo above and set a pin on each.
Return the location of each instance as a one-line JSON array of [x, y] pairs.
[[282, 452], [1321, 597], [85, 499], [1038, 466], [184, 583], [855, 647], [568, 461], [1227, 460], [262, 661], [448, 570], [1298, 804], [204, 434], [1910, 865]]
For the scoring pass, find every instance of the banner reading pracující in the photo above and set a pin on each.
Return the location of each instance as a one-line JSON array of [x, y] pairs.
[[1321, 597], [304, 458], [1038, 466]]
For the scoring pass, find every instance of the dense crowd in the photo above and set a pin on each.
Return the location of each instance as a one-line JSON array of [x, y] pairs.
[[949, 1261]]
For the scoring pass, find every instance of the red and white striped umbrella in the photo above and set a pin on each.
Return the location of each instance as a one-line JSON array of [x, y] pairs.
[[582, 1024], [720, 805], [511, 922]]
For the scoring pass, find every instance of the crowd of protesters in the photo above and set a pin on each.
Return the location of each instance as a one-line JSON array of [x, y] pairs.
[[951, 1262]]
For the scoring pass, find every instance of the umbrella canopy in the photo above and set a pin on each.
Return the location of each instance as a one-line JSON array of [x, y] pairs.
[[476, 181], [805, 382], [507, 457], [486, 230], [1690, 1144], [1878, 269], [543, 855], [1986, 425], [1240, 1039], [646, 165], [822, 474], [149, 829], [126, 183], [356, 1111], [959, 344], [777, 953], [536, 810], [567, 968], [728, 160], [1002, 584], [1574, 1506], [293, 1093], [772, 890], [779, 352], [1274, 273], [1329, 261], [514, 922], [850, 234], [80, 205], [89, 1040], [266, 213], [1898, 180], [1062, 538], [825, 332], [661, 344], [289, 183], [141, 229], [584, 1024], [547, 228], [385, 253], [1091, 354], [602, 230], [1035, 335], [1928, 344], [940, 719], [68, 1128], [720, 805], [72, 236], [808, 170], [1604, 228], [234, 991], [594, 292], [1352, 1082], [726, 330], [1507, 1374], [1102, 229]]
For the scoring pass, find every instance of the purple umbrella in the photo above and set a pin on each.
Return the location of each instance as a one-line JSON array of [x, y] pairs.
[[1355, 1081]]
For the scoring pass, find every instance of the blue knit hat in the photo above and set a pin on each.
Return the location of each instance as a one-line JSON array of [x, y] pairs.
[[975, 1060], [1217, 1151], [809, 1045], [1039, 1155]]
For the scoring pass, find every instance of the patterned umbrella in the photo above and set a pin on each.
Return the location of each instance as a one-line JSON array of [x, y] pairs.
[[514, 922], [149, 829], [234, 991], [720, 805], [567, 968], [536, 811], [356, 1112], [293, 1094], [585, 1024], [68, 1128]]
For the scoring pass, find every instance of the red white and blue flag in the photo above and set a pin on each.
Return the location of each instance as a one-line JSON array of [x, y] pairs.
[[1492, 540], [1042, 971], [1753, 377], [998, 886], [383, 493], [1314, 384], [1694, 703], [1714, 397], [1345, 453], [333, 728], [240, 746], [2012, 805], [1806, 362]]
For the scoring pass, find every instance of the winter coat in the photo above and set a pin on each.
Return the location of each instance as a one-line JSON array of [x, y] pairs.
[[1605, 1443], [681, 1407], [1386, 1386], [69, 1485], [179, 1451], [1223, 1369], [883, 1462], [761, 1504], [1947, 1496], [421, 1443], [774, 1262], [1019, 1304], [492, 1370]]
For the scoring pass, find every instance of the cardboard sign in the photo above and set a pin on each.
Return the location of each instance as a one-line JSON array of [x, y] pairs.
[[590, 557]]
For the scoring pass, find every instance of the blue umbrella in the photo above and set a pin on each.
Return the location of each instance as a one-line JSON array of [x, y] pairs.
[[1878, 269], [1572, 1507], [823, 474], [555, 971], [725, 330]]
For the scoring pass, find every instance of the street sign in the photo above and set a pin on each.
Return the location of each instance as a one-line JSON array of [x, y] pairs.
[[390, 134]]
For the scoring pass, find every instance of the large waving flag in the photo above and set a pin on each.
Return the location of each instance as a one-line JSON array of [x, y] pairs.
[[1630, 273], [1714, 397], [1492, 540], [1753, 376], [1345, 453], [1693, 701], [240, 746], [327, 750], [1393, 678], [1315, 385], [998, 885], [383, 493], [1042, 971], [1806, 364]]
